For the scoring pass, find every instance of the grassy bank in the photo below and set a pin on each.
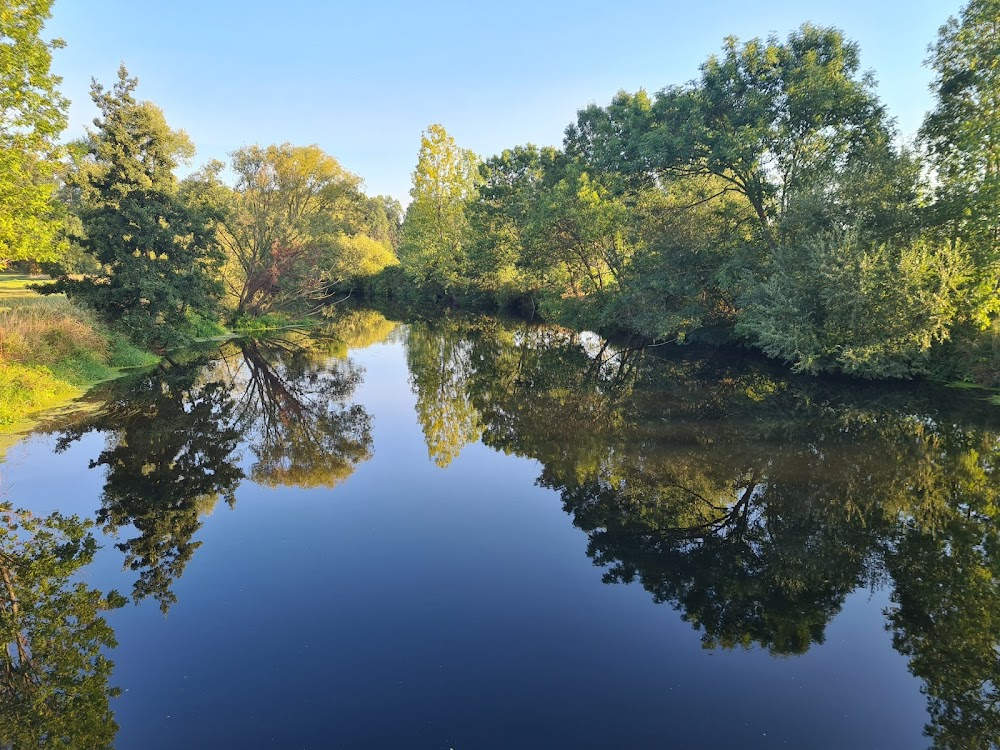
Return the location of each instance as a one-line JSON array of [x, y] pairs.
[[51, 351]]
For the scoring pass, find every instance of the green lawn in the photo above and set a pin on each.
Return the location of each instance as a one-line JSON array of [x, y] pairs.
[[14, 286]]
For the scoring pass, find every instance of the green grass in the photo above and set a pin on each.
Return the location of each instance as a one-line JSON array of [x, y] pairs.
[[14, 286], [203, 329], [52, 350], [124, 355], [25, 389]]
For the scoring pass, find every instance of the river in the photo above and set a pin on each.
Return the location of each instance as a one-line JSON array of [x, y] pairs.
[[470, 533]]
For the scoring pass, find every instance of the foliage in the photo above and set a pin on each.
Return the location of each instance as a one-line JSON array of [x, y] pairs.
[[435, 231], [358, 258], [282, 224], [54, 672], [771, 119], [159, 254], [767, 202], [962, 136], [836, 304], [32, 115], [503, 222]]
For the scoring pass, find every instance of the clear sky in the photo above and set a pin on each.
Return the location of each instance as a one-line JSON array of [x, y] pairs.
[[362, 80]]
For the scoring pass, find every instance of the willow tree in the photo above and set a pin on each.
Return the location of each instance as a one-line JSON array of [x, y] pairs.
[[291, 209]]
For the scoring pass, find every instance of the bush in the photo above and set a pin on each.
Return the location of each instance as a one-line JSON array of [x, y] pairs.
[[834, 304]]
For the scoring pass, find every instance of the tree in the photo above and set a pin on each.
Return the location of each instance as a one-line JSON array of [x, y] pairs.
[[435, 231], [32, 115], [771, 120], [358, 258], [837, 303], [503, 221], [384, 221], [962, 137], [159, 254], [290, 206]]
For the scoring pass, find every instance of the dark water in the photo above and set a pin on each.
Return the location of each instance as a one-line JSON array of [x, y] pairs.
[[471, 534]]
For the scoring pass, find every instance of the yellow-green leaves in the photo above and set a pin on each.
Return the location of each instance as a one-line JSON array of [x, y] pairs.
[[32, 114]]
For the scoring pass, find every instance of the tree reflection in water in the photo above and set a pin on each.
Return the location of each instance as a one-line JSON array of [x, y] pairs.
[[173, 438], [752, 502], [54, 673], [168, 458], [294, 408]]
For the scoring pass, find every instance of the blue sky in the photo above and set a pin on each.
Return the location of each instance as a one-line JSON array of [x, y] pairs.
[[362, 80]]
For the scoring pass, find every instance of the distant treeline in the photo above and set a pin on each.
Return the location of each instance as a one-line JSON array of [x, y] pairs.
[[768, 203]]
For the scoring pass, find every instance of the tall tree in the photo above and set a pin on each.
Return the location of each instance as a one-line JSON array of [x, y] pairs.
[[159, 254], [770, 119], [962, 136], [503, 220], [291, 206], [32, 115], [435, 231]]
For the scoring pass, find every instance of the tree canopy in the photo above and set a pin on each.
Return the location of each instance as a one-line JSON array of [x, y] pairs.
[[32, 116]]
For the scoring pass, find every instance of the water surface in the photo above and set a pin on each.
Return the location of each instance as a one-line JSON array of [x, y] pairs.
[[468, 533]]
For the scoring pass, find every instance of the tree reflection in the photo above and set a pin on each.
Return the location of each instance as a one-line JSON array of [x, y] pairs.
[[439, 365], [946, 613], [169, 458], [752, 502], [54, 689], [295, 408]]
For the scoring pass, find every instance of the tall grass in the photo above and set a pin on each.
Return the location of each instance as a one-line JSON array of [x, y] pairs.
[[46, 331], [50, 349]]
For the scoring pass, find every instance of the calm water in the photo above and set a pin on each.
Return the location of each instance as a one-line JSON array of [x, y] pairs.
[[471, 534]]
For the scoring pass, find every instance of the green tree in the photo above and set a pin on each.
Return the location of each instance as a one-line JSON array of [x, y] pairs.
[[962, 136], [32, 115], [435, 231], [503, 222], [54, 670], [771, 119], [159, 255], [384, 221], [290, 208], [836, 303]]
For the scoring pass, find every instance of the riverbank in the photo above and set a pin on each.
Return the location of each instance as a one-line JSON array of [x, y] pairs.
[[52, 351]]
